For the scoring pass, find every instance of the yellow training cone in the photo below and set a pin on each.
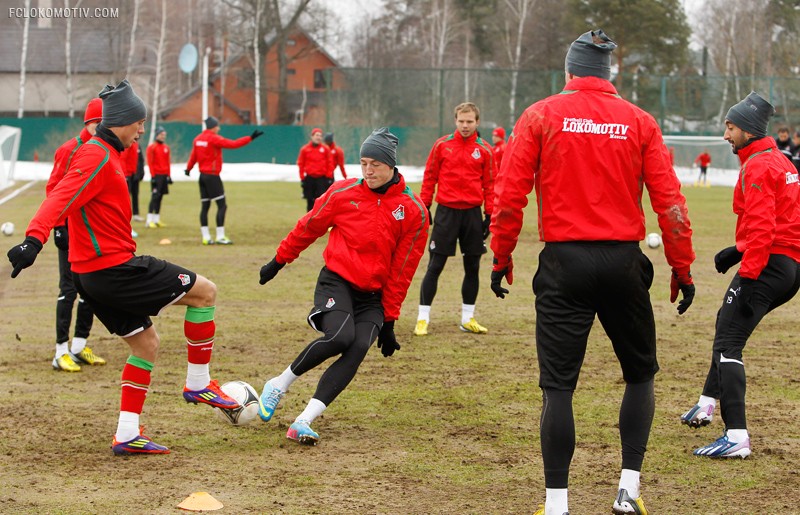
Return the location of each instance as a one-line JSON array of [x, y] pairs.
[[200, 501], [165, 241]]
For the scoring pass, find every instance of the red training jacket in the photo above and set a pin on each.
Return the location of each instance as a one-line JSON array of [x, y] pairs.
[[464, 171], [498, 151], [375, 243], [158, 158], [130, 159], [63, 157], [766, 201], [337, 159], [315, 161], [93, 195], [207, 151], [703, 159], [589, 153]]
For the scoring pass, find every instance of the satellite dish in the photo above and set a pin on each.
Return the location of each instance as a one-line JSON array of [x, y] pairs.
[[187, 60]]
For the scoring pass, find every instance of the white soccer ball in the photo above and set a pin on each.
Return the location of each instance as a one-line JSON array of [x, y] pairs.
[[653, 240], [7, 228], [245, 395]]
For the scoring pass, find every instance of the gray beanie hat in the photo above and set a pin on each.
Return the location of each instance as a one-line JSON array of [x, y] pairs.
[[381, 145], [211, 122], [121, 106], [751, 114], [590, 55]]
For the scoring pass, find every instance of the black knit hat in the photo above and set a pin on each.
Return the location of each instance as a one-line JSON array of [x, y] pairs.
[[211, 122], [751, 114], [160, 129], [381, 145], [121, 106], [328, 138], [590, 55]]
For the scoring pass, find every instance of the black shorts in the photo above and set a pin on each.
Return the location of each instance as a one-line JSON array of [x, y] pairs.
[[578, 280], [124, 297], [211, 187], [160, 185], [464, 225], [333, 293]]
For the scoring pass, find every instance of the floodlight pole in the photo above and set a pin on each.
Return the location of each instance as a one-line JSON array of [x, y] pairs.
[[205, 83]]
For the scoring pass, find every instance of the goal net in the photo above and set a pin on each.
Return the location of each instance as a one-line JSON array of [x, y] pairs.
[[724, 167], [9, 149]]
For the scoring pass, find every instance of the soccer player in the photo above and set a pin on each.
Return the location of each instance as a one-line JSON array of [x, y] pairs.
[[588, 153], [703, 160], [207, 153], [315, 164], [124, 290], [158, 160], [337, 157], [130, 161], [499, 141], [377, 236], [767, 208], [460, 169], [69, 359], [784, 142]]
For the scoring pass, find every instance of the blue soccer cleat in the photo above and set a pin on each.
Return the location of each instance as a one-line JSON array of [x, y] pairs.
[[139, 445], [211, 395], [698, 416], [302, 433], [268, 401], [724, 448]]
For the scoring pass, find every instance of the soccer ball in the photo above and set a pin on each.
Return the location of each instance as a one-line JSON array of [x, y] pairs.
[[653, 240], [7, 228], [245, 395]]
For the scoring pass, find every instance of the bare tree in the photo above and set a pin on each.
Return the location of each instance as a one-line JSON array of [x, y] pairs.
[[68, 60], [132, 44], [257, 62], [23, 61], [159, 55], [520, 9]]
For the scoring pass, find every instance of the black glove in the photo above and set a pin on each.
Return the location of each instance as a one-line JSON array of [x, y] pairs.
[[256, 133], [303, 187], [500, 270], [24, 254], [186, 172], [387, 343], [430, 216], [745, 296], [726, 258], [487, 220], [270, 270], [61, 237], [169, 179], [681, 281]]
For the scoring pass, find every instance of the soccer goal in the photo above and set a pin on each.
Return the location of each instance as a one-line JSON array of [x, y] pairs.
[[724, 167], [9, 149]]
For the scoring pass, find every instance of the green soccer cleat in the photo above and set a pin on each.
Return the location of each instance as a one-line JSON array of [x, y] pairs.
[[223, 241]]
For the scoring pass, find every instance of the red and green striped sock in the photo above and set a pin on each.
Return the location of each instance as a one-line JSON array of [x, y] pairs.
[[199, 329], [135, 384]]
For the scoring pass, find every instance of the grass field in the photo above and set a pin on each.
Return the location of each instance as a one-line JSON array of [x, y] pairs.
[[449, 424]]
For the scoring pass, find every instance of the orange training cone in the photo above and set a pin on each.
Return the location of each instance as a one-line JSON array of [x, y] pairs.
[[200, 501]]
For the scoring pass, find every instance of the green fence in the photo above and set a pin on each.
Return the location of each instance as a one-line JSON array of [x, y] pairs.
[[418, 106]]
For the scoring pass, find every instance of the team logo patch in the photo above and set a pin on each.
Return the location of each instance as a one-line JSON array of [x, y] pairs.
[[330, 303], [399, 213], [476, 154], [433, 245], [184, 279], [321, 149]]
